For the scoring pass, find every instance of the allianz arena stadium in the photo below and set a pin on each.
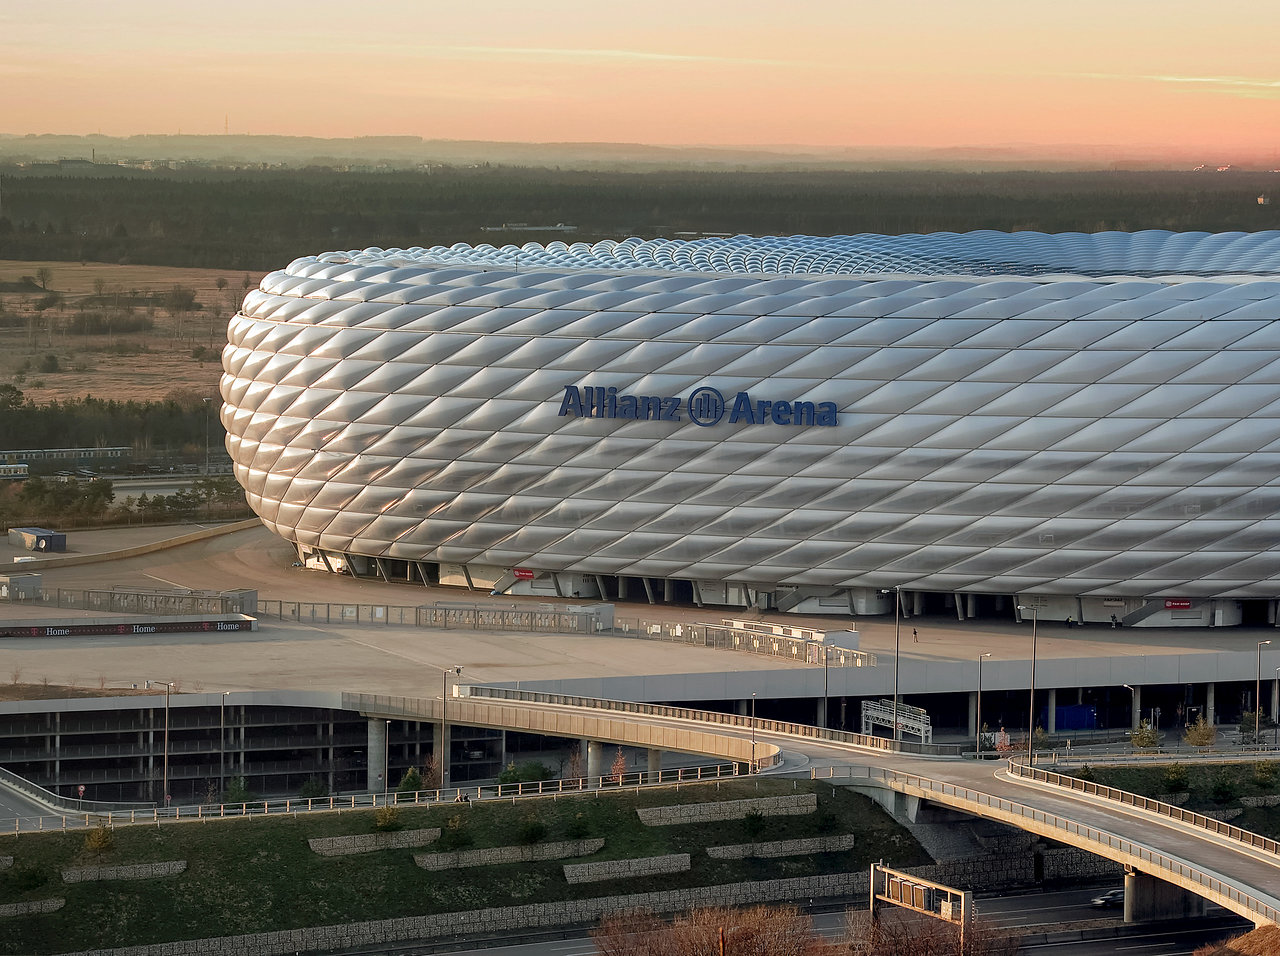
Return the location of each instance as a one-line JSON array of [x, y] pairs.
[[1088, 425]]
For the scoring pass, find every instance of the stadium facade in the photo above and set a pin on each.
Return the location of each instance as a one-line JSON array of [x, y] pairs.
[[1084, 424]]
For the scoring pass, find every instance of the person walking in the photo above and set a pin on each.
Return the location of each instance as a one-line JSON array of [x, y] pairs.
[[915, 636]]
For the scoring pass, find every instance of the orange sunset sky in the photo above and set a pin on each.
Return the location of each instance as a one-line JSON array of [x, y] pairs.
[[1170, 76]]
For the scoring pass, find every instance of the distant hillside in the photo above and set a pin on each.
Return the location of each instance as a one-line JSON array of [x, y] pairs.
[[404, 152]]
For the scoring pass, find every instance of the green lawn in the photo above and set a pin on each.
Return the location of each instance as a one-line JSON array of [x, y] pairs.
[[258, 874]]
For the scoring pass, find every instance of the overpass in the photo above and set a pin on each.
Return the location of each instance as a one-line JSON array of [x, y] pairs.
[[1160, 846]]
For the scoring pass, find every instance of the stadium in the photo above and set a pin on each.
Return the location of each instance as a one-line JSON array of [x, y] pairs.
[[1083, 425]]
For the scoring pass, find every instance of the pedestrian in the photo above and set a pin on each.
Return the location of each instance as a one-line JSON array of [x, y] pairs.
[[915, 636], [1068, 620], [1114, 622]]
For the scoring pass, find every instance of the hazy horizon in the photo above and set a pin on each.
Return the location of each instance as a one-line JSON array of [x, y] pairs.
[[1172, 79]]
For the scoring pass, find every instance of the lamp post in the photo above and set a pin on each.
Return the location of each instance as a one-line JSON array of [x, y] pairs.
[[753, 731], [1275, 736], [222, 741], [978, 719], [164, 784], [1031, 717], [1257, 694], [826, 687], [896, 591], [444, 725]]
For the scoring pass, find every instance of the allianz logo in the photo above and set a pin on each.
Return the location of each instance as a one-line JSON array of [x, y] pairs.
[[705, 406]]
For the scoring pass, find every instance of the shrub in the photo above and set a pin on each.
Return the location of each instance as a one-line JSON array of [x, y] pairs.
[[577, 828], [99, 840], [411, 782], [1264, 774], [1200, 734], [455, 835], [237, 791], [386, 818], [1222, 787], [1086, 773], [313, 788], [531, 832], [528, 772], [1145, 736], [753, 825], [1175, 778]]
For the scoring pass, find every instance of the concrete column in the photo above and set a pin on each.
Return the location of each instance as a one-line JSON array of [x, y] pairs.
[[1275, 700], [742, 708], [1147, 898], [1053, 711], [1135, 719], [1209, 716], [438, 751], [595, 759], [820, 713], [655, 765], [377, 752], [973, 713]]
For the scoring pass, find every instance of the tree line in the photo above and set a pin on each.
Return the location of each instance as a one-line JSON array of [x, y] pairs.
[[262, 219]]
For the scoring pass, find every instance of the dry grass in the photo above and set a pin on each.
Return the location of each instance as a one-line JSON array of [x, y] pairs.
[[1264, 941], [143, 366]]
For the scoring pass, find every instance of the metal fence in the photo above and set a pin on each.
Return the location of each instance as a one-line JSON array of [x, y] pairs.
[[1125, 798], [133, 601], [113, 815]]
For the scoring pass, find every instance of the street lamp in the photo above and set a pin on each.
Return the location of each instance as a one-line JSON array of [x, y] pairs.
[[1031, 717], [978, 723], [896, 591], [444, 725], [1275, 717], [168, 686], [1257, 694], [222, 741]]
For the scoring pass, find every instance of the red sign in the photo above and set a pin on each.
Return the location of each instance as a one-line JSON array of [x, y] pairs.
[[523, 574], [1177, 604], [80, 790]]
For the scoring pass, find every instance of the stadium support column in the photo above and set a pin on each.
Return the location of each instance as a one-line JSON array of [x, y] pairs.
[[1053, 711], [655, 766], [1135, 718], [595, 762], [376, 751], [1209, 716], [973, 713]]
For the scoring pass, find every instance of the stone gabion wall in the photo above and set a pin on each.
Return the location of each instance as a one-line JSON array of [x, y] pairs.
[[370, 842], [1006, 871], [776, 848], [6, 862], [508, 854], [1070, 863], [138, 871], [795, 806], [626, 869], [32, 907]]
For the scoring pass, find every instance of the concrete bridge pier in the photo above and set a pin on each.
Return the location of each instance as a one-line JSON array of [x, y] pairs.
[[1147, 898], [595, 760], [655, 766], [1208, 704]]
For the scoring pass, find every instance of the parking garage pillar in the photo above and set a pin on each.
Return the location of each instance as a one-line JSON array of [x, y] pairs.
[[595, 761], [1053, 711], [973, 713], [1135, 718], [820, 713], [655, 766], [1148, 899], [377, 753], [1208, 704]]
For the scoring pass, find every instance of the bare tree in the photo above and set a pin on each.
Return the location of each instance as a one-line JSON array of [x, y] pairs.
[[44, 275]]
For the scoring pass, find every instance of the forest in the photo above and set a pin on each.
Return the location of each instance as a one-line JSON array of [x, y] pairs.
[[263, 219]]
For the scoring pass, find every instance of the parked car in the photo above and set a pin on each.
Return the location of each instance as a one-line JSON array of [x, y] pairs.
[[1110, 898]]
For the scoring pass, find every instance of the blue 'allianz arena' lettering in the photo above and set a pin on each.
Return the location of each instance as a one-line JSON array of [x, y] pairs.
[[706, 406]]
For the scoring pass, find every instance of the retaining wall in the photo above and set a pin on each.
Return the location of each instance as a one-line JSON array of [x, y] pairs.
[[372, 842], [508, 854], [790, 806]]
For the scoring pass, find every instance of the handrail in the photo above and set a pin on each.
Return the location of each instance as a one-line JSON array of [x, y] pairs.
[[787, 728], [1188, 817], [12, 781], [1093, 835]]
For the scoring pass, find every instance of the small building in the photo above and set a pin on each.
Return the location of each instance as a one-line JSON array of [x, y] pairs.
[[38, 539]]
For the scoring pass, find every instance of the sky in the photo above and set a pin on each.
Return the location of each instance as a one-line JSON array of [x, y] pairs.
[[1139, 75]]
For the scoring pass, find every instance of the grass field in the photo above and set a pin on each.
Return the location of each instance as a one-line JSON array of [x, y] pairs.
[[258, 874], [179, 351]]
